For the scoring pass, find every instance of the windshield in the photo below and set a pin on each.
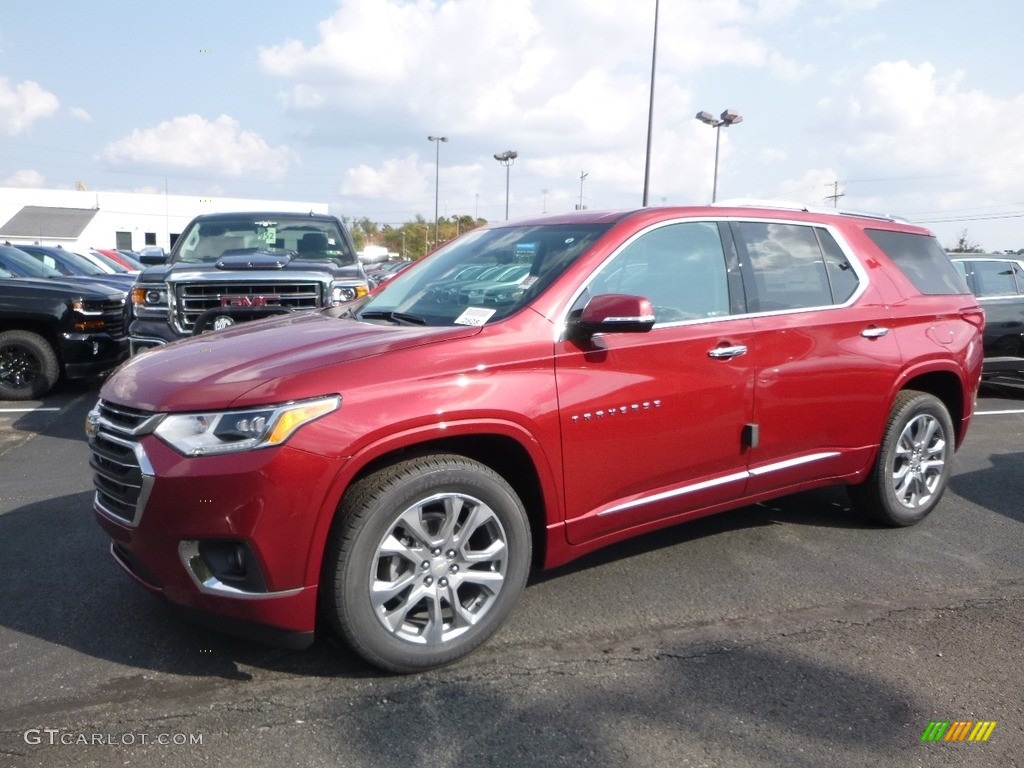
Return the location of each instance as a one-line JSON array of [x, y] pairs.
[[301, 237], [483, 276]]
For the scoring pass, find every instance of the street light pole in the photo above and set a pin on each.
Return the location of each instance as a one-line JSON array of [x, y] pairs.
[[506, 158], [437, 175], [650, 109], [728, 117]]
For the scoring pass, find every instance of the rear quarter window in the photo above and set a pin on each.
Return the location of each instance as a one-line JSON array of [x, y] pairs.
[[921, 259]]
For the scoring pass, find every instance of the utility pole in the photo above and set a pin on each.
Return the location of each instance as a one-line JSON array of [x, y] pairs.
[[583, 177], [836, 194]]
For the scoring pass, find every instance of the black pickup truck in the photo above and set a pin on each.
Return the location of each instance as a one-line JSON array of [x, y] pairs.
[[227, 268], [52, 328]]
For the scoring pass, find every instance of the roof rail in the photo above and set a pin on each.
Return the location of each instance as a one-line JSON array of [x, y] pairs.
[[788, 205]]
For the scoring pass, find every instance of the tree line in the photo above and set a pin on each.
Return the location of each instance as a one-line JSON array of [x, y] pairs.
[[412, 239]]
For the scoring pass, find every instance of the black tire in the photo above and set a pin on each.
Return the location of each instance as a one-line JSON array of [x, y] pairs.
[[28, 366], [446, 542], [914, 462]]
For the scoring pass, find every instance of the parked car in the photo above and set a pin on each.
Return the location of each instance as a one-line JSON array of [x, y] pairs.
[[131, 259], [228, 268], [386, 271], [998, 282], [105, 262], [52, 262], [129, 265], [395, 466], [51, 328]]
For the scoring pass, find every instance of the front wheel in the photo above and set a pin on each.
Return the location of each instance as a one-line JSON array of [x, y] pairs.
[[914, 461], [425, 561], [28, 366]]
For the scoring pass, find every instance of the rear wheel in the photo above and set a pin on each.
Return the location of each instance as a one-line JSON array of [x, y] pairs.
[[28, 366], [425, 562], [914, 462]]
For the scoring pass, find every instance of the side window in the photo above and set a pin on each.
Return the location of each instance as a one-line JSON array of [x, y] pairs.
[[786, 266], [679, 267], [922, 260], [841, 278], [994, 278]]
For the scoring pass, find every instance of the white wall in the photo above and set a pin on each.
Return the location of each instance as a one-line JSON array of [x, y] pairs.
[[134, 212]]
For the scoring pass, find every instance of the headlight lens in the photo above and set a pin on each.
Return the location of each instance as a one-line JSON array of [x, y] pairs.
[[145, 296], [204, 434], [341, 294]]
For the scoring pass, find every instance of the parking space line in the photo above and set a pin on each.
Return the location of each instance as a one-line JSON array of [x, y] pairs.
[[26, 410], [998, 413]]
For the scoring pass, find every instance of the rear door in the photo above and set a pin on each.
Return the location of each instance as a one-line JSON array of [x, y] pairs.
[[826, 355]]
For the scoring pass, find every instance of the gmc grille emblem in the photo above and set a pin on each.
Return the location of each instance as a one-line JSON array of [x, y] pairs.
[[249, 301]]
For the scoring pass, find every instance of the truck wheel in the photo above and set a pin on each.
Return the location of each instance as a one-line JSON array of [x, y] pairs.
[[425, 561], [28, 366], [914, 462]]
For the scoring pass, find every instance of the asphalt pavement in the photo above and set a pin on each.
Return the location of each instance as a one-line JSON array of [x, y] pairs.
[[788, 634]]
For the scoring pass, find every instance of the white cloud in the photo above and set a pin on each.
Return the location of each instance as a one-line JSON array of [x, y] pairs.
[[25, 179], [217, 147], [23, 104], [81, 114], [398, 180], [907, 119]]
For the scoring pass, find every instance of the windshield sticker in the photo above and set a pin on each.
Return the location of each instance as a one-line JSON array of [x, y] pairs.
[[475, 316], [268, 235], [528, 281]]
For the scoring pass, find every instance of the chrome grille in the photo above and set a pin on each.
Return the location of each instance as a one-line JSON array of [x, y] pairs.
[[192, 299], [113, 318], [122, 474]]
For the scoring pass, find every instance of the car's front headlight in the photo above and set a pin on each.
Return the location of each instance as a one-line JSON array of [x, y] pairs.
[[340, 293], [216, 432]]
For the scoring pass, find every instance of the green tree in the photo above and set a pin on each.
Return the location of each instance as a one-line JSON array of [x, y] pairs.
[[964, 245]]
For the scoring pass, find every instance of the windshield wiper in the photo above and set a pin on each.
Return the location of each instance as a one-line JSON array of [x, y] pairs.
[[402, 318]]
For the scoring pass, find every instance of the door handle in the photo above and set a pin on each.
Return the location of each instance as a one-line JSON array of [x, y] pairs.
[[727, 353], [874, 332]]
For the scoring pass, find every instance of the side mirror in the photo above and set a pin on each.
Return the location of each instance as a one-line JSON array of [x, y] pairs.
[[614, 313]]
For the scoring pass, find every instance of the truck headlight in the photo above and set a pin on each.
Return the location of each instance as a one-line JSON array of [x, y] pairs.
[[341, 293], [149, 296], [216, 432]]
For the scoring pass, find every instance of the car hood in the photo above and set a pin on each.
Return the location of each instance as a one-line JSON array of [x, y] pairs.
[[62, 287], [216, 370]]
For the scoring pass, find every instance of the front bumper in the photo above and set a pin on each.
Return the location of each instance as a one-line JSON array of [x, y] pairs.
[[145, 334], [230, 537], [86, 356]]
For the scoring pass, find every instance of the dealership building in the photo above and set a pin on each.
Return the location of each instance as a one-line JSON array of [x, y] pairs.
[[80, 219]]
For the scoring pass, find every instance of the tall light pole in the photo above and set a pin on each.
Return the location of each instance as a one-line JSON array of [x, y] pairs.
[[506, 158], [650, 109], [583, 177], [437, 174], [728, 117]]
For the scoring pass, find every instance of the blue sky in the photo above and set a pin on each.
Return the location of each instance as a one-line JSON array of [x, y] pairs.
[[914, 108]]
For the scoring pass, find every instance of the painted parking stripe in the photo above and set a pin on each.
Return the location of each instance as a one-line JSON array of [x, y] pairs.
[[998, 413], [26, 410]]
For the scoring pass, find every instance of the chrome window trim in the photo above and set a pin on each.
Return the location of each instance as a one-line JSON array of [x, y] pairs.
[[863, 281]]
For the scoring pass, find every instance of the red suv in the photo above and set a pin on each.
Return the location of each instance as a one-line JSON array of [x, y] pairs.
[[396, 465]]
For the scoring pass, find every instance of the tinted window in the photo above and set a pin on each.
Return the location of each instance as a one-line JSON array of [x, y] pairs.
[[995, 278], [921, 259], [785, 264], [841, 278], [679, 267]]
